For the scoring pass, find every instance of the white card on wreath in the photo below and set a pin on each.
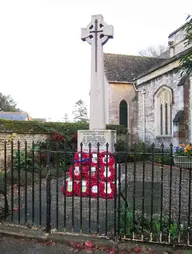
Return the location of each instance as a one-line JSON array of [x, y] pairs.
[[106, 158], [109, 190], [76, 171], [84, 186], [107, 172], [94, 189], [69, 186], [94, 158], [93, 170]]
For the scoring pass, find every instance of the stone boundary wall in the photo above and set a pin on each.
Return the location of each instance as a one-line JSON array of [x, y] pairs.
[[21, 137], [29, 138]]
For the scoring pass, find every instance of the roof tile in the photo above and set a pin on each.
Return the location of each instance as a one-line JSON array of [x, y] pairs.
[[125, 68]]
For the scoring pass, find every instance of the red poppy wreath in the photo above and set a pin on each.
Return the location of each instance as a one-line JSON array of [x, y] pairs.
[[75, 172], [94, 158], [107, 193], [107, 159], [67, 188], [84, 186], [92, 173], [94, 189], [107, 173]]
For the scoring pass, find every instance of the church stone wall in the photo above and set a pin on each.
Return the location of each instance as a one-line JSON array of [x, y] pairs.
[[117, 93], [170, 79], [176, 41], [190, 107]]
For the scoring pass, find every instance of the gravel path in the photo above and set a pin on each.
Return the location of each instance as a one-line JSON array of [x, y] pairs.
[[174, 194]]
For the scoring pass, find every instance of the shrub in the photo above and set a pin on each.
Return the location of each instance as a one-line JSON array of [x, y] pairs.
[[136, 226], [56, 151], [165, 159]]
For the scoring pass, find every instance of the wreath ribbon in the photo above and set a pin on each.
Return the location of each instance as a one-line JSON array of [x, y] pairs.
[[81, 157]]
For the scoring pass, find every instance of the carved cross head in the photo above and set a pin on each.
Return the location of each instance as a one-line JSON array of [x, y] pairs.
[[97, 31]]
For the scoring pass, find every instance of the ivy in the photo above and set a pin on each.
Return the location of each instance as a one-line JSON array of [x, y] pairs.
[[186, 60]]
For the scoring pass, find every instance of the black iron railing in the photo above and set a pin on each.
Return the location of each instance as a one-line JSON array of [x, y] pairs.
[[137, 193]]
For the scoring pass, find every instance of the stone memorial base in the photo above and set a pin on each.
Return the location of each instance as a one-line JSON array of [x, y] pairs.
[[94, 137]]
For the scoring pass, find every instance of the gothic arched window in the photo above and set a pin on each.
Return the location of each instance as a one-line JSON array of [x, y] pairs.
[[163, 111], [123, 113]]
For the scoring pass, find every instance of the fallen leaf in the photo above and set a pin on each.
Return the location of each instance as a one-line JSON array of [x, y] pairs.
[[53, 244], [15, 209], [89, 245], [72, 244], [102, 248], [138, 249], [79, 246]]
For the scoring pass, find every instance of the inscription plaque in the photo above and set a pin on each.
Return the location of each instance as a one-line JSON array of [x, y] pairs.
[[94, 137]]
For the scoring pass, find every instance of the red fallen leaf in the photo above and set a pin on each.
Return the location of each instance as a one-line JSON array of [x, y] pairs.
[[107, 249], [15, 209], [89, 245], [72, 244], [53, 244], [112, 251], [138, 249], [79, 246], [44, 243], [48, 243], [102, 248]]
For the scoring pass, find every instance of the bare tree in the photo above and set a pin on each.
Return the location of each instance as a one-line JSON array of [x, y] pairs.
[[7, 103], [80, 111], [158, 51], [66, 118]]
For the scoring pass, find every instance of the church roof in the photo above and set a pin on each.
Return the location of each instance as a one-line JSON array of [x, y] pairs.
[[126, 68], [164, 62]]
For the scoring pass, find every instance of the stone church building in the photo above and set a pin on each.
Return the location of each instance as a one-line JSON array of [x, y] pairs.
[[150, 96]]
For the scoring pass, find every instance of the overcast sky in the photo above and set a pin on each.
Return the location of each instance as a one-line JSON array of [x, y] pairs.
[[45, 66]]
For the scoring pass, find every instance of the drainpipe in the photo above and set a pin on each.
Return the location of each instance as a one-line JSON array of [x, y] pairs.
[[143, 92]]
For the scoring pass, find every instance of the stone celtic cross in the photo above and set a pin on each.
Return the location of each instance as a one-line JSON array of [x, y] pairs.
[[97, 34]]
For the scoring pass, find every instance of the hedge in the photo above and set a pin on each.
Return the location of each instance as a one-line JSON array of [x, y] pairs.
[[35, 127]]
